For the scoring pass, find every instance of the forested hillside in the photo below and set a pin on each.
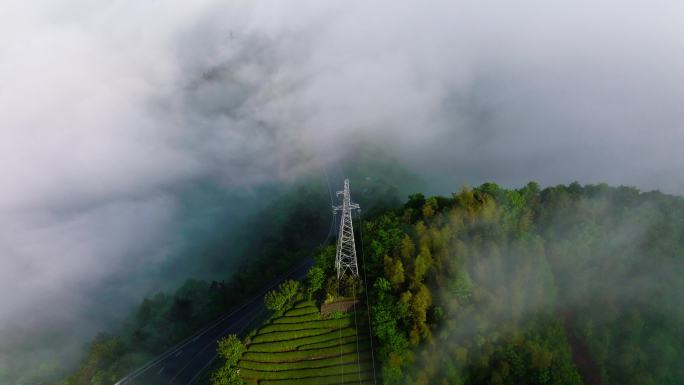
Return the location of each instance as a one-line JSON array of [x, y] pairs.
[[527, 286], [566, 285], [284, 233], [164, 319]]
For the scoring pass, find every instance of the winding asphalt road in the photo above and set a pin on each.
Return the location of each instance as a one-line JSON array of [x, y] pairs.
[[184, 363]]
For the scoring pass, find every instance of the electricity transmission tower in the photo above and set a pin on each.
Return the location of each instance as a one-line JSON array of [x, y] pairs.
[[345, 259]]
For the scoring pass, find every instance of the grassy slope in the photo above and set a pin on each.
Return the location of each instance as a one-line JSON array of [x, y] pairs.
[[302, 348]]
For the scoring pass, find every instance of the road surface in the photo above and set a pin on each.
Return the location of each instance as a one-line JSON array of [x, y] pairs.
[[183, 364]]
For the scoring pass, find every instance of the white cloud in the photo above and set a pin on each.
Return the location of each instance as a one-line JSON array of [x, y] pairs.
[[105, 106]]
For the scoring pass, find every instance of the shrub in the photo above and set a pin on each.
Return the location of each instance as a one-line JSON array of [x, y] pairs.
[[284, 297], [230, 348]]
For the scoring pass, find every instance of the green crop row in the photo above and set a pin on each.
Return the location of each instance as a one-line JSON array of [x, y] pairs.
[[305, 304], [352, 378], [318, 324], [306, 364], [334, 341], [313, 381], [296, 355], [297, 319], [288, 335], [301, 311], [351, 371], [279, 346]]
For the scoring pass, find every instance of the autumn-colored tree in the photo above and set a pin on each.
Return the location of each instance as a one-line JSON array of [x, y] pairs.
[[394, 271]]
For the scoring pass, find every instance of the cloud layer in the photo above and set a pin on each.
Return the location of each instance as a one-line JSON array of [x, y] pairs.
[[109, 108]]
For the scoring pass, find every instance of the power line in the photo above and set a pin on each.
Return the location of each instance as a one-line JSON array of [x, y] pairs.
[[365, 284], [330, 194], [356, 326], [339, 328]]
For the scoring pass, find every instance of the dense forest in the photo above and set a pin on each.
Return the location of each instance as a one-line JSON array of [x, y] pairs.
[[555, 286], [566, 285]]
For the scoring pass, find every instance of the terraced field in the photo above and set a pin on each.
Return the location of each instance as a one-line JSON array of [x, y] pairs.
[[300, 348]]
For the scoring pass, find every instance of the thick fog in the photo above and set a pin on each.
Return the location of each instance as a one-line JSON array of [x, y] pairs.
[[111, 111]]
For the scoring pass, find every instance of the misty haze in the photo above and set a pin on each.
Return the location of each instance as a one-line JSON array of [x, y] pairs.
[[173, 208]]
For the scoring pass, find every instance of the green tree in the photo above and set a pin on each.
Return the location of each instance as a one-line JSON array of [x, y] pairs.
[[430, 208], [419, 304], [284, 297], [315, 278], [422, 264], [461, 286], [387, 316], [407, 248], [325, 259], [230, 349]]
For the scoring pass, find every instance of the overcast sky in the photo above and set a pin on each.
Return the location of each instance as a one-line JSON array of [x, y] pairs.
[[106, 108]]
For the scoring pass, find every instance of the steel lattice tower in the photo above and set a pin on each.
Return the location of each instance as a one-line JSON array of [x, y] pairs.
[[345, 259]]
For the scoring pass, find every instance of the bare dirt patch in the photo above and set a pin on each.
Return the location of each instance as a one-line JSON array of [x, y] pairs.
[[341, 306]]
